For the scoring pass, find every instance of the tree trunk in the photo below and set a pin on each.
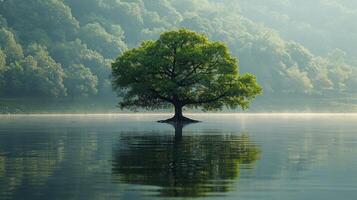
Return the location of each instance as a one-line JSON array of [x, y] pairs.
[[178, 113], [178, 117]]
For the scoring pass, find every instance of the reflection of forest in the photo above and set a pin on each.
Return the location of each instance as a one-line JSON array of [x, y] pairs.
[[26, 162], [49, 165], [192, 165]]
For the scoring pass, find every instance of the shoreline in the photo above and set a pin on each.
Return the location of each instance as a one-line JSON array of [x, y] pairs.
[[190, 114]]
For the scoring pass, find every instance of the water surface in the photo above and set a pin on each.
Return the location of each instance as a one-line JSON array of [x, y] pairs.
[[132, 157]]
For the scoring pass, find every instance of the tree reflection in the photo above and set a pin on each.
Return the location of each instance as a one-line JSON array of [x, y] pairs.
[[183, 166]]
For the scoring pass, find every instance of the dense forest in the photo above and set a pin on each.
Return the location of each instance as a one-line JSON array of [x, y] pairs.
[[57, 49]]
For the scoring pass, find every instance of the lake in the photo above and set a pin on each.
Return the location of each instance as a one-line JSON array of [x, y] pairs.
[[130, 156]]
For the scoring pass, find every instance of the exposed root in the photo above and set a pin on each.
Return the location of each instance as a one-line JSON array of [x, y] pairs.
[[183, 120]]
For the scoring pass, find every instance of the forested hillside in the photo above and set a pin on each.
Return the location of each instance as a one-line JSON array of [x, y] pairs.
[[319, 25], [64, 48]]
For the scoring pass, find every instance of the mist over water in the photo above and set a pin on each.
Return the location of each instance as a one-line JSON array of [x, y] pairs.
[[228, 156]]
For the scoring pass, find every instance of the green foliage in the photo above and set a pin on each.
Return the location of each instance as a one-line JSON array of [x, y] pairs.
[[11, 48], [185, 69], [48, 75], [2, 60], [98, 39], [37, 74], [75, 52], [40, 20], [80, 81], [2, 69], [165, 9], [320, 25]]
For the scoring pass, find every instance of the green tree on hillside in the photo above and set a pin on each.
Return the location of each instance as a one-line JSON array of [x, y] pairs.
[[2, 69], [182, 68], [9, 45], [98, 39], [80, 81]]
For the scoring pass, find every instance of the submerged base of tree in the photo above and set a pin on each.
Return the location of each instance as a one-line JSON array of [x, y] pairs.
[[178, 122], [182, 119]]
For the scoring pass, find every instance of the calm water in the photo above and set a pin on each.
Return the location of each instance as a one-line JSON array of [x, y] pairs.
[[132, 157]]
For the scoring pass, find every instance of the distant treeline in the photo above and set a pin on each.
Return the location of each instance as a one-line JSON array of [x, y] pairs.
[[64, 48]]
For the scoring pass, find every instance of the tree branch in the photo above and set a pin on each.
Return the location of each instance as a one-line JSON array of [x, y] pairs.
[[204, 101], [160, 96], [195, 68]]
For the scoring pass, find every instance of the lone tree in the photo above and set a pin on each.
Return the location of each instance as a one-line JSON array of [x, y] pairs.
[[184, 69]]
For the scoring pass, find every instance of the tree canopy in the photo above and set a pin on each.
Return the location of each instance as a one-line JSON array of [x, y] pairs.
[[182, 68]]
